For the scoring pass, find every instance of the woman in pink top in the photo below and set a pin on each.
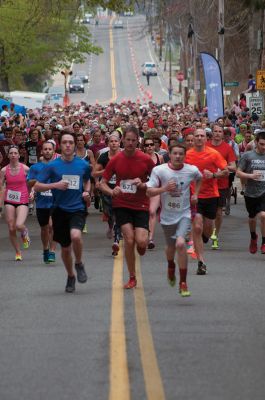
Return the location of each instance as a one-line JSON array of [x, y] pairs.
[[16, 199]]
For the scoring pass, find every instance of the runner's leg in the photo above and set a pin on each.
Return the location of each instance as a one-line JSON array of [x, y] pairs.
[[66, 253], [154, 204], [141, 239], [77, 243], [129, 241], [10, 216], [22, 213], [197, 229]]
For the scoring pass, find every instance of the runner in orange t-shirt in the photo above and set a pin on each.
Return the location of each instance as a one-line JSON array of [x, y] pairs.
[[228, 154], [212, 166]]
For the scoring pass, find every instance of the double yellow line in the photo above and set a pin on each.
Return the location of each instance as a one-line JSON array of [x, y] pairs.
[[119, 374], [112, 64]]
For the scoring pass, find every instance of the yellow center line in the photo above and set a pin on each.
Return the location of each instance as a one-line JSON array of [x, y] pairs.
[[112, 64], [153, 382], [118, 375]]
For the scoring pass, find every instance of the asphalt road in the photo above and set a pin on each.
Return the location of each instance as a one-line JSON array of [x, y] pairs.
[[149, 343], [116, 74]]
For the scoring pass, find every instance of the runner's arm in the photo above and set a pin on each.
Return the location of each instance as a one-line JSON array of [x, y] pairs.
[[2, 179], [244, 175], [42, 187], [98, 170], [104, 187]]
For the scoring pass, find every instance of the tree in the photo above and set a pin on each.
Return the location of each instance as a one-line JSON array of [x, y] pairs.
[[38, 37]]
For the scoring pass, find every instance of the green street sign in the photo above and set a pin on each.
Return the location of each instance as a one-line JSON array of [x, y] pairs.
[[230, 84]]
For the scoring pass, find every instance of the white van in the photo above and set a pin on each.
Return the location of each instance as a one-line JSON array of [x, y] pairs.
[[29, 99]]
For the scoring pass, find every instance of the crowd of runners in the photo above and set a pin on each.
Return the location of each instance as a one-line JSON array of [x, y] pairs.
[[136, 164]]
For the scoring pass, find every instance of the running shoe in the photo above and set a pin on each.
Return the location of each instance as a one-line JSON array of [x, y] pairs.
[[25, 238], [70, 284], [171, 277], [151, 245], [115, 248], [51, 257], [18, 257], [85, 228], [81, 273], [183, 289], [215, 244], [214, 236], [202, 270], [132, 282], [253, 245], [262, 249], [46, 256]]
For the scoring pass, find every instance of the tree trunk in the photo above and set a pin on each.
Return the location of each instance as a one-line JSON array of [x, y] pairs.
[[4, 83]]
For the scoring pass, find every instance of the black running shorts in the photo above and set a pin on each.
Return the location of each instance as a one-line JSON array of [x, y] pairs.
[[63, 222], [255, 205], [138, 218], [208, 207]]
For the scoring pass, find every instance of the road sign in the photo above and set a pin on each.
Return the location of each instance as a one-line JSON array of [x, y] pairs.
[[180, 76], [260, 79], [231, 84], [256, 105]]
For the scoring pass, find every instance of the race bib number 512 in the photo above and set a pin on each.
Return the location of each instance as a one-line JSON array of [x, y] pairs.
[[73, 181]]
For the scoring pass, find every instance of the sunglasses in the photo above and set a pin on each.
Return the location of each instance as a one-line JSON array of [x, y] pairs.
[[148, 144]]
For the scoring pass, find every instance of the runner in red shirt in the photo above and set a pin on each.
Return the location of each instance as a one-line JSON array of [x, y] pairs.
[[228, 154], [209, 162], [130, 203]]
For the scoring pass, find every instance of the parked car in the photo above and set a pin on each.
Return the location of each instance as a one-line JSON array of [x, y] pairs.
[[86, 20], [149, 68], [118, 24], [128, 13], [76, 85], [82, 75]]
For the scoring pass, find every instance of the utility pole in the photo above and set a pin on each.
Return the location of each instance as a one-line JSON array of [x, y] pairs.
[[221, 36], [170, 87]]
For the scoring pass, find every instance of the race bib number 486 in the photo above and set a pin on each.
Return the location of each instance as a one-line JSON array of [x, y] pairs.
[[174, 203], [73, 181], [127, 186]]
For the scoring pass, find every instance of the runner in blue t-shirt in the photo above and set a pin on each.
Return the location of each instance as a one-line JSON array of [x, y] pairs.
[[69, 178], [44, 203]]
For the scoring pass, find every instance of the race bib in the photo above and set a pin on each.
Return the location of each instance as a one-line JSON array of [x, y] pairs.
[[47, 193], [174, 203], [33, 159], [73, 180], [112, 180], [127, 186], [262, 172], [13, 195]]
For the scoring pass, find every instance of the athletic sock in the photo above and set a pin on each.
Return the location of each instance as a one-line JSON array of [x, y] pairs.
[[171, 264], [182, 274], [253, 235]]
